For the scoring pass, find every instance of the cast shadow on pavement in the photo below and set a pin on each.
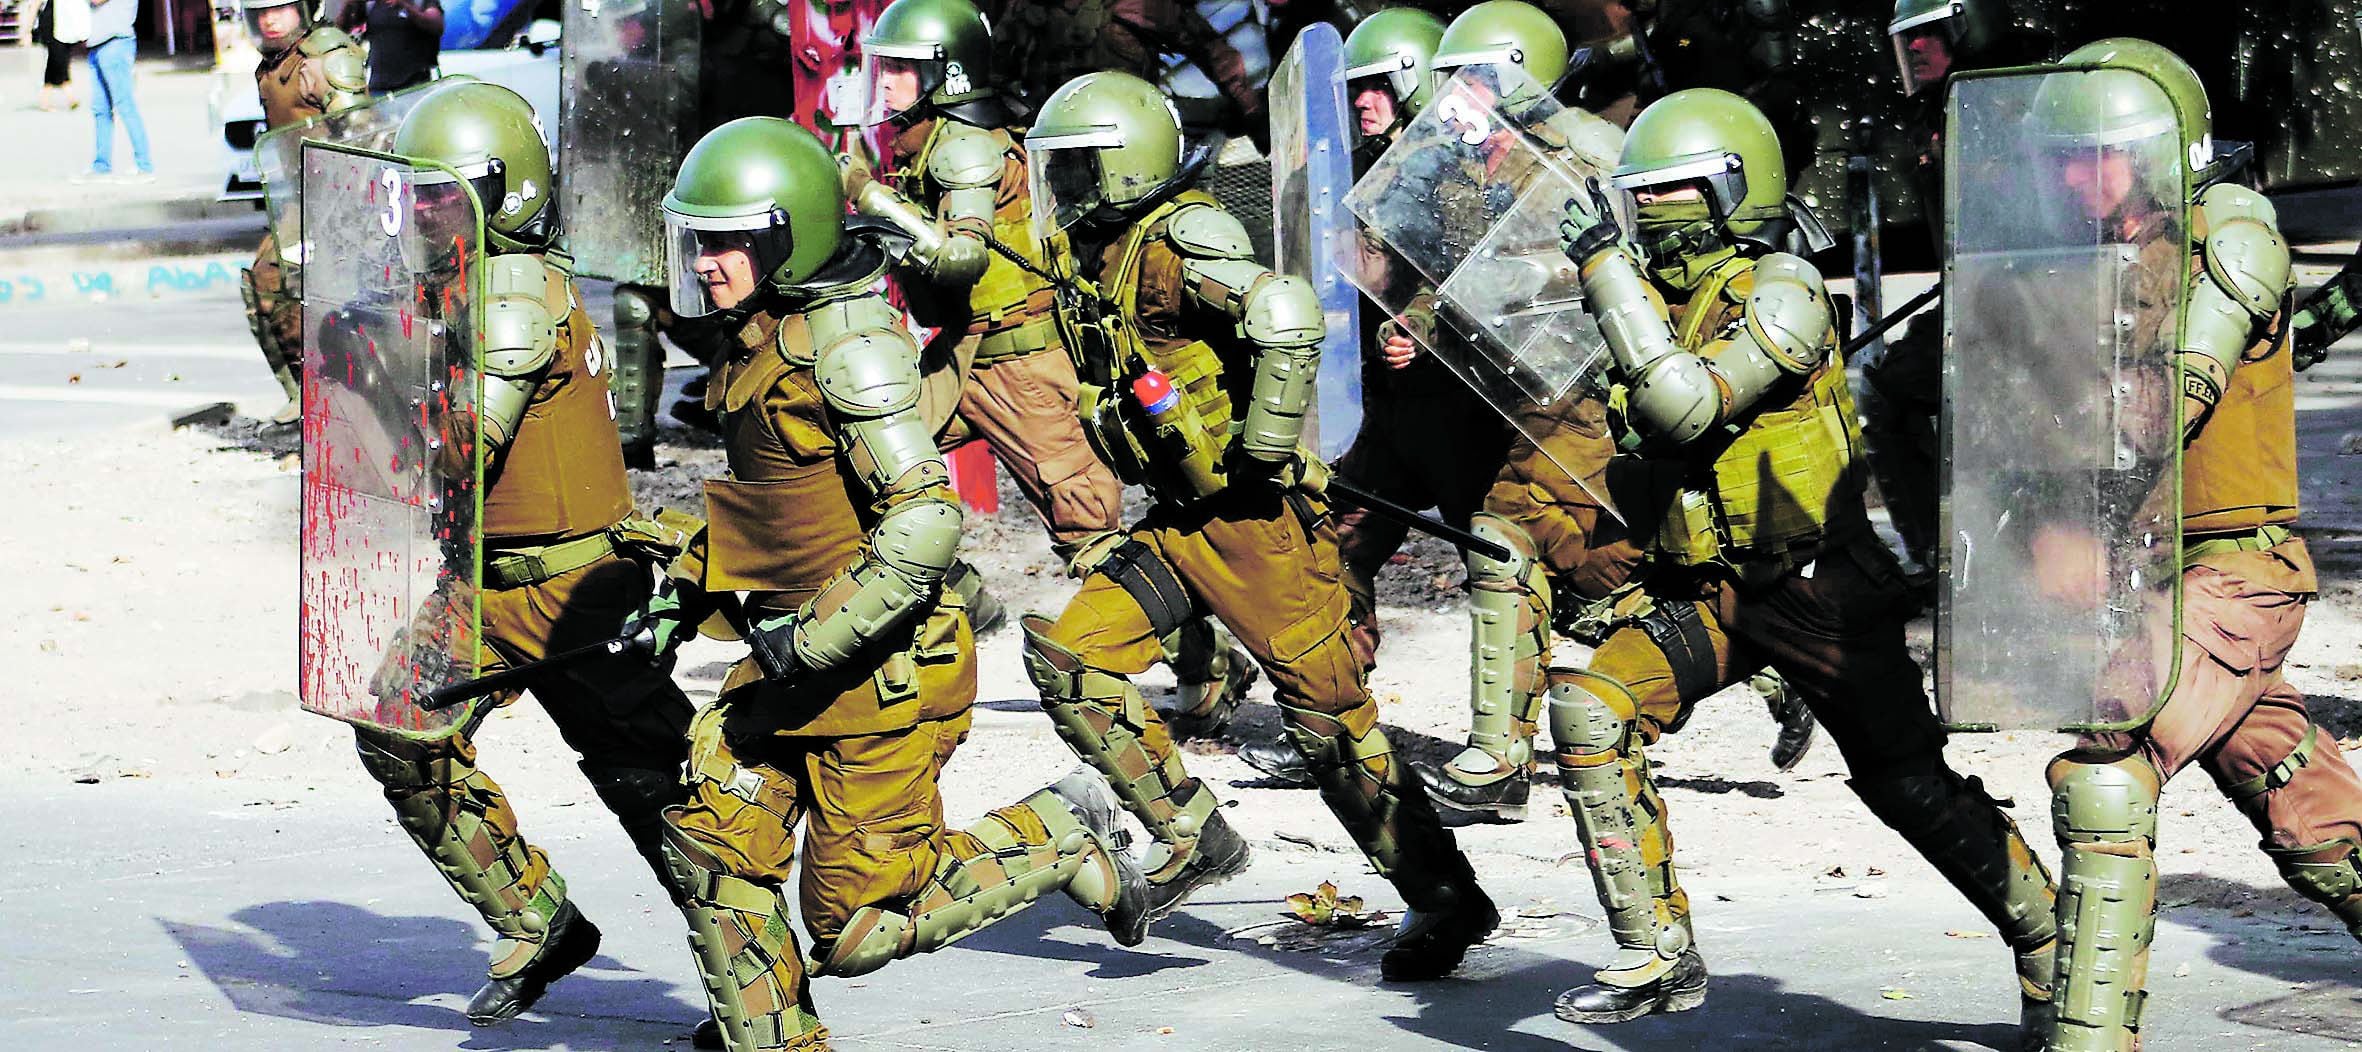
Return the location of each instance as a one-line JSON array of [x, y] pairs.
[[2289, 938], [336, 964]]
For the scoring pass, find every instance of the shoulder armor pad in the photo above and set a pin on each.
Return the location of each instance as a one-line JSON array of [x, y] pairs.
[[2245, 255], [347, 71], [520, 332], [1208, 232], [871, 373], [1788, 312], [1283, 312], [325, 39], [965, 158]]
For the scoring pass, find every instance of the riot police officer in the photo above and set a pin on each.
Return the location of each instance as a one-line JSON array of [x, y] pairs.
[[1197, 366], [838, 523]]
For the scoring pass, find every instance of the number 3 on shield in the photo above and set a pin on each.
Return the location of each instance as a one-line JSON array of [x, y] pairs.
[[391, 222], [1457, 111]]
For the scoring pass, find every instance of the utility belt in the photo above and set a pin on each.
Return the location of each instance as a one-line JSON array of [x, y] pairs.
[[2261, 539], [655, 540], [1032, 336]]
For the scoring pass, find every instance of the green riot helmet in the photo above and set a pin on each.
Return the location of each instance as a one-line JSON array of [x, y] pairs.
[[1932, 37], [2116, 139], [757, 201], [2128, 104], [489, 135], [277, 25], [1102, 143], [1503, 32], [923, 53], [1390, 53], [1719, 145]]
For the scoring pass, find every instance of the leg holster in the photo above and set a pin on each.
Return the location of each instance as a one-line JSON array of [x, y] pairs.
[[2104, 810], [1621, 821], [463, 823], [1509, 618], [637, 381], [1382, 806], [2323, 872], [1105, 720], [988, 871], [637, 796], [744, 940]]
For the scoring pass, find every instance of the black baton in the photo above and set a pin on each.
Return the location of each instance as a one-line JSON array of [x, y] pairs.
[[1862, 339], [444, 698], [1459, 538]]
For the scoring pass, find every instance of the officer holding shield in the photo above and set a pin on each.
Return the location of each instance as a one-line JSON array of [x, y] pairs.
[[307, 69], [553, 513], [1732, 417]]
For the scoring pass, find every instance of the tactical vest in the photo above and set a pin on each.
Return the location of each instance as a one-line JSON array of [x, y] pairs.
[[1760, 501], [1179, 454], [792, 515], [2240, 472], [280, 80], [1009, 307], [562, 476]]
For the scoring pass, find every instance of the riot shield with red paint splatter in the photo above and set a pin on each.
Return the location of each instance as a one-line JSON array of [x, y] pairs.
[[392, 461]]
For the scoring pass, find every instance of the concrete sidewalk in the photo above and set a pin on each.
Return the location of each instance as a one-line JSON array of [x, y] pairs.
[[38, 193], [237, 915]]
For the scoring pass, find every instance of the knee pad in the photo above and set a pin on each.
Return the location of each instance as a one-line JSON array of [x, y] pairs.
[[2098, 800], [633, 309], [404, 766], [1590, 714], [2333, 881], [1492, 574]]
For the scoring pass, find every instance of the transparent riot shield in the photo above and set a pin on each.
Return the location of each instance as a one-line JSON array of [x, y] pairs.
[[392, 461], [1460, 217], [2066, 252], [278, 153], [627, 105], [1312, 234]]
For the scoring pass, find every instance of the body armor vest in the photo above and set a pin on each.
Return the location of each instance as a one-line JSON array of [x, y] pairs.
[[2240, 472], [562, 476], [286, 96], [1761, 500], [1009, 307], [1178, 453]]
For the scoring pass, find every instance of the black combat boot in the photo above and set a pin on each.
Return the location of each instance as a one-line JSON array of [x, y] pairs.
[[1680, 989], [1435, 937], [572, 941], [1220, 855]]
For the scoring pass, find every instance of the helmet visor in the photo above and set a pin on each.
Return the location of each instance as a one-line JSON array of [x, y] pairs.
[[1379, 94], [278, 26], [898, 78], [434, 193], [1722, 175], [1923, 54], [718, 263], [1063, 173]]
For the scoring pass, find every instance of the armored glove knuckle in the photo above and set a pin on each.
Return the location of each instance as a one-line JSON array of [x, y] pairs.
[[773, 646]]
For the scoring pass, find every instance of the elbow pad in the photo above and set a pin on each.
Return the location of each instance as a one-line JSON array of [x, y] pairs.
[[896, 574], [2241, 287], [520, 341], [1282, 318], [1672, 393]]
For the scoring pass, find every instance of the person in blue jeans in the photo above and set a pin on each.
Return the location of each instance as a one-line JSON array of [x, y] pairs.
[[112, 49]]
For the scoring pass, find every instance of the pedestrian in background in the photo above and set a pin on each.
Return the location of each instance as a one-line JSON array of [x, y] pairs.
[[60, 25], [112, 51], [405, 39]]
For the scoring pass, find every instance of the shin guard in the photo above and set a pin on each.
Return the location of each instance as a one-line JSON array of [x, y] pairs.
[[1104, 719], [2104, 811], [1621, 821], [745, 945]]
